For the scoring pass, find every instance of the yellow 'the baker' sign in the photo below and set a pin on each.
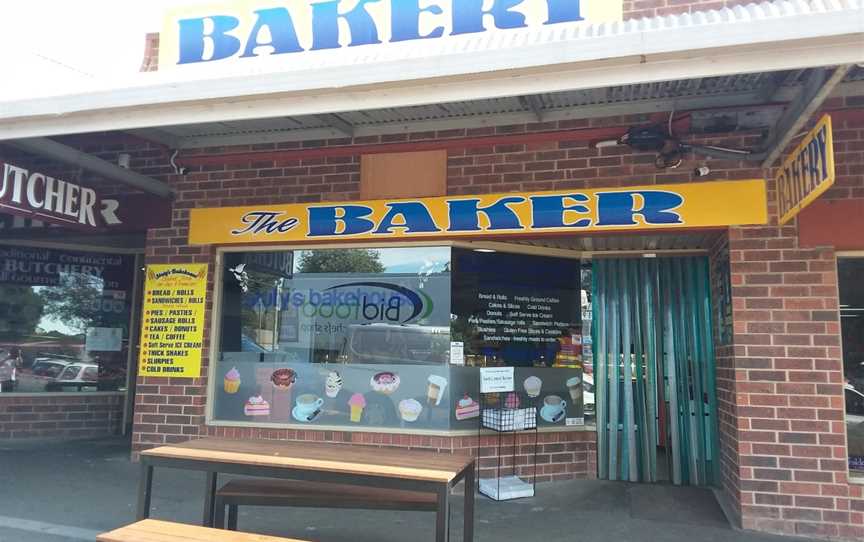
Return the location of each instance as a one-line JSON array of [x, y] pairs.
[[808, 172], [657, 207], [172, 327]]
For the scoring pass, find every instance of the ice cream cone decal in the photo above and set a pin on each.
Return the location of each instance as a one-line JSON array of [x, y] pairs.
[[357, 404]]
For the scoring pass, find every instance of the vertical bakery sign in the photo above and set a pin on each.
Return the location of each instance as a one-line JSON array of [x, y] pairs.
[[172, 326]]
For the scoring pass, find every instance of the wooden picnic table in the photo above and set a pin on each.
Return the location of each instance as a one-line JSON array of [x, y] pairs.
[[334, 463]]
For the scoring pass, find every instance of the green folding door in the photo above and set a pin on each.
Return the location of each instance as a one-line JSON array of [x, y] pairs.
[[654, 370]]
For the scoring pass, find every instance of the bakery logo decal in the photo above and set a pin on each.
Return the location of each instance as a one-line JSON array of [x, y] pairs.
[[354, 301], [175, 271], [40, 197]]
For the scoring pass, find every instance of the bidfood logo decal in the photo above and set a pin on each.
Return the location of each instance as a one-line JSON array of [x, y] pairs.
[[354, 301]]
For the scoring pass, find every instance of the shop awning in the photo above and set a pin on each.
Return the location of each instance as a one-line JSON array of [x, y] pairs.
[[771, 36]]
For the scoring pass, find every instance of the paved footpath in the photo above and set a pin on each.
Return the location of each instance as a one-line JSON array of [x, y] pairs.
[[53, 492]]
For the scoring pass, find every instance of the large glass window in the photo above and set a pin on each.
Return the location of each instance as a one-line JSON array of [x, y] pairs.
[[64, 320], [393, 337], [336, 337], [851, 274]]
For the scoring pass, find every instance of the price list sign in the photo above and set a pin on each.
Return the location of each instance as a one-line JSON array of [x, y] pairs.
[[172, 327]]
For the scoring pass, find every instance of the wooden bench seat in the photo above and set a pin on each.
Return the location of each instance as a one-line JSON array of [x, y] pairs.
[[152, 530], [303, 494]]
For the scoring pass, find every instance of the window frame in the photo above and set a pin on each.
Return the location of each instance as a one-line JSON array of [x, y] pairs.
[[216, 315]]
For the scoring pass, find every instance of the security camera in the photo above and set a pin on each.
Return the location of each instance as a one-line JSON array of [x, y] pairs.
[[702, 171]]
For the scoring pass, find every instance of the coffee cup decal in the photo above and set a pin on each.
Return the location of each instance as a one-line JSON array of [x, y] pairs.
[[574, 386], [435, 387], [554, 409], [308, 407], [532, 386]]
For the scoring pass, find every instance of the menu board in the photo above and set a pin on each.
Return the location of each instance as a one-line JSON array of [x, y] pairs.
[[172, 327], [505, 317], [516, 310]]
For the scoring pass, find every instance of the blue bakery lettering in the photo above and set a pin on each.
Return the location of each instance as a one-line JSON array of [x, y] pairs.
[[620, 208], [274, 30], [805, 172], [465, 214]]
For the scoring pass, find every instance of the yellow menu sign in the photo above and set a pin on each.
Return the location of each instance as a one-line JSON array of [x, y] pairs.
[[172, 326]]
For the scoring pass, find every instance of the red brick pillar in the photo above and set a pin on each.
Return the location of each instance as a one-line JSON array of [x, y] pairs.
[[785, 458]]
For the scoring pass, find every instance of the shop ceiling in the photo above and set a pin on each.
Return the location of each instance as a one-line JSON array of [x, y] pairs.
[[721, 104]]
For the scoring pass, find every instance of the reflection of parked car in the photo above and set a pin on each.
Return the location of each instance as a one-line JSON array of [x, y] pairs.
[[854, 420], [400, 344], [43, 371], [10, 363], [76, 375]]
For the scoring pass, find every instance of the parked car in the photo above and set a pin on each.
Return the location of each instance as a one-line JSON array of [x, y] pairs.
[[398, 344]]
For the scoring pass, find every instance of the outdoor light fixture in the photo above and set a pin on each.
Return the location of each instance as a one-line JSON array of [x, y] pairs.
[[485, 250]]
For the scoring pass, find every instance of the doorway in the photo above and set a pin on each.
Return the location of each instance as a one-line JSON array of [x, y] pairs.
[[655, 370]]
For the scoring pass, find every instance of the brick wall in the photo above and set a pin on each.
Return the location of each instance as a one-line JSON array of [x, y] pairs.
[[69, 415], [634, 9], [790, 437]]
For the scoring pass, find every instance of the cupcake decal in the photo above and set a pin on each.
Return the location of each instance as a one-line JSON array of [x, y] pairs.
[[333, 384], [385, 383], [232, 381], [283, 379], [410, 409], [357, 404], [256, 406]]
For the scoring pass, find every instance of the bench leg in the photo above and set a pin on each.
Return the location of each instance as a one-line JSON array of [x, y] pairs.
[[209, 499], [468, 527], [442, 522], [145, 490], [219, 515], [232, 517]]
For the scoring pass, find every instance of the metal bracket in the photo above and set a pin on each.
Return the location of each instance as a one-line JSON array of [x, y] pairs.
[[337, 123]]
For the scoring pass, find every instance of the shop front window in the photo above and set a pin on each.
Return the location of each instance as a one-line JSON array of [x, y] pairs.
[[392, 337], [64, 320], [851, 272]]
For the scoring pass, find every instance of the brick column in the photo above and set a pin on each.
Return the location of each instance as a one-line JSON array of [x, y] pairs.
[[789, 458]]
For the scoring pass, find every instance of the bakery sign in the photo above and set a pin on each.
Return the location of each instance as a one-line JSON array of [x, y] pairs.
[[656, 207], [261, 28], [39, 197], [808, 172]]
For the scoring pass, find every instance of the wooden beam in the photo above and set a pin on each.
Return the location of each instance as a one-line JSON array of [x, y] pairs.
[[68, 155], [816, 90]]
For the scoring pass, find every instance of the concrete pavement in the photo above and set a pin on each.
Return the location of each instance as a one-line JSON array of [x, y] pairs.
[[53, 492]]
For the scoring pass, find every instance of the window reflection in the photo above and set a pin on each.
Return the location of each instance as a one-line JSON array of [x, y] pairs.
[[852, 324], [64, 320]]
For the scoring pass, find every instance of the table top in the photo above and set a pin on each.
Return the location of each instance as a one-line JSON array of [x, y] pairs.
[[335, 458], [152, 530]]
